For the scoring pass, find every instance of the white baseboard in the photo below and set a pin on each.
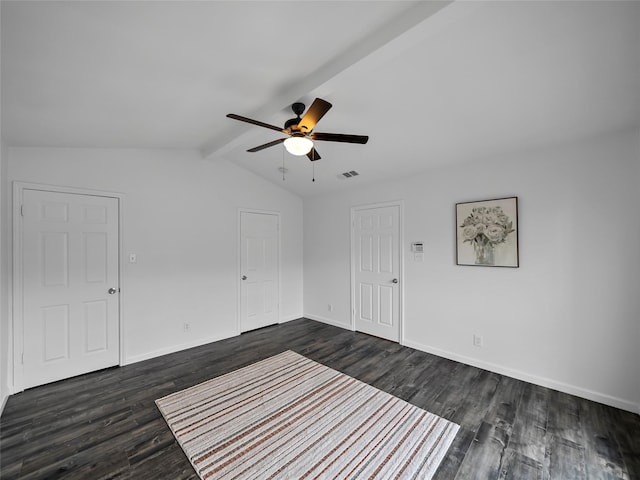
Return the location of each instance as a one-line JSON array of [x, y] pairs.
[[290, 318], [329, 321], [541, 381], [184, 346], [174, 348]]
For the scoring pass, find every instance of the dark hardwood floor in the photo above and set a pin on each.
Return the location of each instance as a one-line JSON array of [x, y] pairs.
[[106, 425]]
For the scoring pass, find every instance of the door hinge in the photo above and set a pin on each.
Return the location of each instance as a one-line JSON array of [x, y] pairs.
[[22, 210]]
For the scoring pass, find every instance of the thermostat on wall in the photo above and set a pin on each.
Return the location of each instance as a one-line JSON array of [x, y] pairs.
[[418, 251]]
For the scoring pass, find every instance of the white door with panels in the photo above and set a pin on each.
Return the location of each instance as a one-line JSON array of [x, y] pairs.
[[376, 271], [69, 285], [259, 270]]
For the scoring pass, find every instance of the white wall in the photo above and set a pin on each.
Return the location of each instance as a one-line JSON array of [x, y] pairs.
[[181, 219], [4, 278], [638, 313], [567, 318]]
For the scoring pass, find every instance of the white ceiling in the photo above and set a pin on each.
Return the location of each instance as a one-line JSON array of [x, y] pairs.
[[431, 83]]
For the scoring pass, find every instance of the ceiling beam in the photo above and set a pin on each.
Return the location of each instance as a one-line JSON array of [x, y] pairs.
[[227, 139]]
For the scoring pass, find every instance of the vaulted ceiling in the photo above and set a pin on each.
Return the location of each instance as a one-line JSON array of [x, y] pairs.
[[431, 83]]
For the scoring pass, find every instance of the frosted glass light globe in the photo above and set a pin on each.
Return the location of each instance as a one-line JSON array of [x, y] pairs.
[[298, 145]]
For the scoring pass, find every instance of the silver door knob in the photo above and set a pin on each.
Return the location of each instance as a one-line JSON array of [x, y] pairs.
[[395, 280], [112, 291], [244, 277]]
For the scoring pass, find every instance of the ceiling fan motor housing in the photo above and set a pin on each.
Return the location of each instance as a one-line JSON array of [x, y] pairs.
[[297, 108]]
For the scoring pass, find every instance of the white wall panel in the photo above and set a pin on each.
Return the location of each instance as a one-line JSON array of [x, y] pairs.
[[567, 318], [180, 218], [6, 351]]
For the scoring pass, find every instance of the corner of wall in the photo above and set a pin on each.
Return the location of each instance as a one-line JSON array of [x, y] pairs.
[[637, 269], [4, 278], [328, 321], [3, 388]]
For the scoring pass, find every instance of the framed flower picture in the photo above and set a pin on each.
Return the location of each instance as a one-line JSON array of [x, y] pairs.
[[487, 233]]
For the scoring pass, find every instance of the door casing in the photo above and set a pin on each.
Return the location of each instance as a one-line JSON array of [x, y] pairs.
[[16, 325], [354, 211]]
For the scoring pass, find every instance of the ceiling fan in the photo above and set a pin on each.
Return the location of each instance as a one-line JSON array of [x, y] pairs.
[[300, 130]]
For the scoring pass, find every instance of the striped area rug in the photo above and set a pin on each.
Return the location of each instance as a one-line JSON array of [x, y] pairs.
[[289, 417]]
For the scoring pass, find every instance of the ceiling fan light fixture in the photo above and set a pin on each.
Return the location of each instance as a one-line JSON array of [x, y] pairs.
[[301, 131], [298, 145]]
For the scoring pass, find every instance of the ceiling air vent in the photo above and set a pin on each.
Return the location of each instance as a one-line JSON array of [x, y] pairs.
[[350, 174]]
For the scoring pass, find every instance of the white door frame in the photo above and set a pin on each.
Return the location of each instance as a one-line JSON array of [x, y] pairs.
[[239, 263], [354, 210], [16, 326]]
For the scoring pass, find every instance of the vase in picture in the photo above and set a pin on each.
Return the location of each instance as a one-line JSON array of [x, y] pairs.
[[484, 253]]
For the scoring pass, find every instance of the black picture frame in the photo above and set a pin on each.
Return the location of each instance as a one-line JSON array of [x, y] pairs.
[[487, 233]]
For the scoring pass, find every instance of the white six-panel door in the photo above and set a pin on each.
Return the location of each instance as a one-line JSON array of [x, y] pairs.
[[259, 270], [69, 265], [376, 267]]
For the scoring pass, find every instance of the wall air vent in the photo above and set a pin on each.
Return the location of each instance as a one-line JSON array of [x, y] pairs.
[[350, 174]]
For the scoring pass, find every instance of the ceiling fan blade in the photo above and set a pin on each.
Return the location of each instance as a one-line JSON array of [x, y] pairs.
[[316, 111], [339, 137], [313, 155], [254, 122], [266, 145]]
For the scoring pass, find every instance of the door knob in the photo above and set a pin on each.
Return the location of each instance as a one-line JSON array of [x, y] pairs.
[[112, 291], [244, 277], [395, 280]]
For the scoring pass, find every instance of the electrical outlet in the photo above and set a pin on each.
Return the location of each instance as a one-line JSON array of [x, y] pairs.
[[187, 327], [330, 307], [478, 341]]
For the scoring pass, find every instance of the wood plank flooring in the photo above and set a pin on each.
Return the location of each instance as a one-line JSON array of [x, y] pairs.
[[105, 425]]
